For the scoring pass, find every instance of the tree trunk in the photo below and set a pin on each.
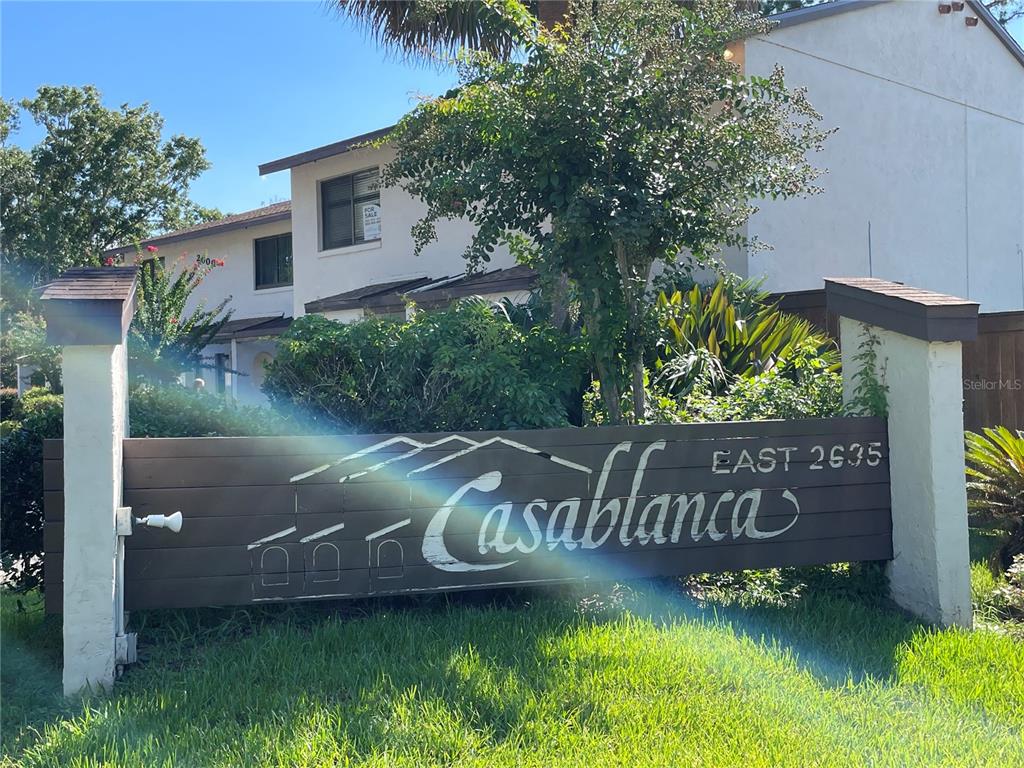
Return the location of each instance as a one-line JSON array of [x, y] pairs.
[[609, 392], [609, 387], [559, 300], [559, 292], [639, 394], [634, 282], [551, 12]]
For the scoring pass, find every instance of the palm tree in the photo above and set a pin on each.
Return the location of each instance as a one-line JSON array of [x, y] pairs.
[[419, 28], [423, 27]]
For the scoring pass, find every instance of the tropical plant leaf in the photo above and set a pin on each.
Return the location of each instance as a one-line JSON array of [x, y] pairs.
[[745, 338]]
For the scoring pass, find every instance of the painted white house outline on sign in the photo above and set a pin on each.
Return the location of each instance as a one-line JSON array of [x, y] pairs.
[[384, 551]]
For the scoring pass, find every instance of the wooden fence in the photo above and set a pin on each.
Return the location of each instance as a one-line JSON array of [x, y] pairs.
[[994, 372], [993, 365], [299, 518]]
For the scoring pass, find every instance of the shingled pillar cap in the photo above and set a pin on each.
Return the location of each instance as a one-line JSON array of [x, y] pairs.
[[90, 305], [914, 312]]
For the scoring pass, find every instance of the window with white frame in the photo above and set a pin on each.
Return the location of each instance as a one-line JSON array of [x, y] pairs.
[[350, 209]]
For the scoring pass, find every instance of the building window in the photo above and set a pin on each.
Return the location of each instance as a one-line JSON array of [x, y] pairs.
[[274, 261], [350, 209]]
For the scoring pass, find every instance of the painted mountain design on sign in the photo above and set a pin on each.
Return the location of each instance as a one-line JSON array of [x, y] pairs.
[[416, 448]]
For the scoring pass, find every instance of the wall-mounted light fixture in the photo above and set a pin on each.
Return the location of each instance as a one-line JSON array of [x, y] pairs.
[[945, 8], [957, 5], [971, 21]]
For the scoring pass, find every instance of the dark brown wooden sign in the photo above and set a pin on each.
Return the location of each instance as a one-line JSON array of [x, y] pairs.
[[296, 518]]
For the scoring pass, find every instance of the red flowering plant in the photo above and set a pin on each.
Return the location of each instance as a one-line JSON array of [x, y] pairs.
[[169, 331]]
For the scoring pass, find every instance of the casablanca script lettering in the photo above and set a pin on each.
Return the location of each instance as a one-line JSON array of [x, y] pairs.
[[661, 520]]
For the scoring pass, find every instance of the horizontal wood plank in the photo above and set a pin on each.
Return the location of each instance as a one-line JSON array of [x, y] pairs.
[[242, 529], [179, 447], [258, 501], [190, 592], [358, 554]]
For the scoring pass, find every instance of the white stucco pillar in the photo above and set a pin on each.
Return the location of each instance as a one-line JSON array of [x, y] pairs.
[[88, 312], [94, 425], [919, 336]]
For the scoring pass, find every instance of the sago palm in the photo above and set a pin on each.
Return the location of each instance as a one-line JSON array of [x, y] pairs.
[[995, 483]]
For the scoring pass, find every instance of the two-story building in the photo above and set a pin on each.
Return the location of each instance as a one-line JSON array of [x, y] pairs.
[[924, 184]]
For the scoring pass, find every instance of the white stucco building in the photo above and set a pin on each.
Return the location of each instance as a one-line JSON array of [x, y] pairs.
[[924, 185], [925, 181]]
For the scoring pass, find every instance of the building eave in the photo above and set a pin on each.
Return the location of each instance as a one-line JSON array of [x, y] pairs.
[[328, 150], [992, 23], [836, 7], [820, 11]]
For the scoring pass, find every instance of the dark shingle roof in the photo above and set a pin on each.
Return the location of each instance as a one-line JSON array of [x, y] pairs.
[[427, 292], [358, 297], [251, 328], [266, 215], [93, 283], [90, 305]]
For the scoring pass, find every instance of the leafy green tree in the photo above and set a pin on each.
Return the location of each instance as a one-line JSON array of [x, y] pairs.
[[189, 215], [1006, 11], [164, 338], [24, 341], [98, 178], [616, 143]]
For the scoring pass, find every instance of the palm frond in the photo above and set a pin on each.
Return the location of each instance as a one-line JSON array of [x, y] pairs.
[[995, 472], [425, 27]]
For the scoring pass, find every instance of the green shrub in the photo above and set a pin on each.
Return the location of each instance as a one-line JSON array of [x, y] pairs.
[[995, 485], [21, 494], [809, 390], [40, 399], [463, 368], [870, 395], [770, 395], [178, 412], [10, 404], [1008, 598], [153, 412]]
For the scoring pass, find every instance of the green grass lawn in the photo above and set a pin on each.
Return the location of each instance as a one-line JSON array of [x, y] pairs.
[[781, 672]]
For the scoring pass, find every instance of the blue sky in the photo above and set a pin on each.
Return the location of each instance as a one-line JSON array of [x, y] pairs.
[[253, 80]]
